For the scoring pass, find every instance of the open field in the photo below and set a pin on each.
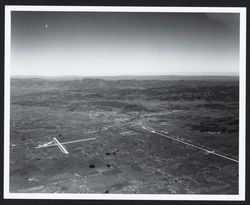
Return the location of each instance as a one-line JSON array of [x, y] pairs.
[[129, 119]]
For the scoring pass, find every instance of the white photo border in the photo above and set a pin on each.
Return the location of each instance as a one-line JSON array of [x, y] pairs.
[[242, 110]]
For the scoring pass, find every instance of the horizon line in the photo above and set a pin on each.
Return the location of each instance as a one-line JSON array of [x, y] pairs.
[[207, 74]]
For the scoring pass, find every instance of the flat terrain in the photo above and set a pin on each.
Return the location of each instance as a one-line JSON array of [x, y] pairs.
[[125, 116]]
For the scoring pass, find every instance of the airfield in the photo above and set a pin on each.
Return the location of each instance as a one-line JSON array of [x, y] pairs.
[[172, 135]]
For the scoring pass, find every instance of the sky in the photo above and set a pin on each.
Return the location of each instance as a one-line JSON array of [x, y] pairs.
[[115, 43]]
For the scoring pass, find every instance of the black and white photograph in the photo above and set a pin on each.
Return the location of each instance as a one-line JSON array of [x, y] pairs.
[[124, 103]]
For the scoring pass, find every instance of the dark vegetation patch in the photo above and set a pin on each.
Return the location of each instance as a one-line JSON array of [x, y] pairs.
[[116, 105], [216, 106], [224, 125], [133, 108], [32, 103], [209, 93], [92, 166], [219, 106], [93, 96]]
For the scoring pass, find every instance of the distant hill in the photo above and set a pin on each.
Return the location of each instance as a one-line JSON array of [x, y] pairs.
[[117, 82], [135, 77]]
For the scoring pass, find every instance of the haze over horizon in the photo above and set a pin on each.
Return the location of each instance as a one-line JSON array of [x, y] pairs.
[[153, 75], [123, 44]]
